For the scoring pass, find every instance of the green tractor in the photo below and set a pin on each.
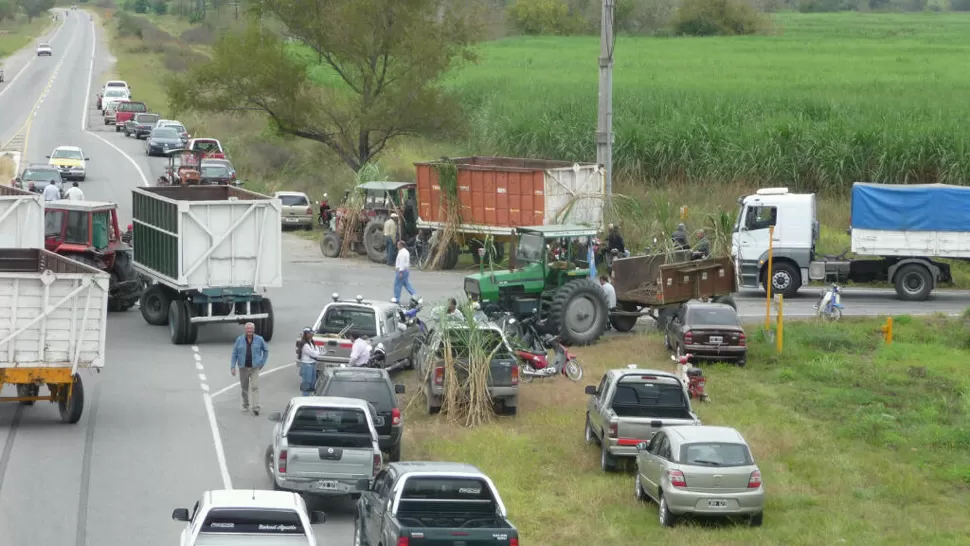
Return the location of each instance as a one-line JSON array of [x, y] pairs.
[[548, 274]]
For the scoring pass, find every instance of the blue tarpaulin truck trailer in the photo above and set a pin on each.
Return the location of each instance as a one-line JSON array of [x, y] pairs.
[[898, 232]]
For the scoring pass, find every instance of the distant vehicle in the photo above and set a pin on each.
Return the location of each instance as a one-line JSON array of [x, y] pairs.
[[699, 470], [44, 50], [707, 331], [37, 176], [374, 386], [162, 140], [249, 514], [215, 174], [70, 161], [127, 110], [224, 162], [211, 147], [1, 74], [140, 125], [378, 321], [112, 96], [297, 211], [114, 85], [177, 125]]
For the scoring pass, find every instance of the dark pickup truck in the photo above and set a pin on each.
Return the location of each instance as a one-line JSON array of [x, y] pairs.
[[432, 504]]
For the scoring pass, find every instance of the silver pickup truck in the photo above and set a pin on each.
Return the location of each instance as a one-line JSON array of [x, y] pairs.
[[380, 322], [629, 406], [324, 445]]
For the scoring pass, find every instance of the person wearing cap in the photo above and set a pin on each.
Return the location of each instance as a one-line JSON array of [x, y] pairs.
[[679, 237], [307, 355], [390, 238]]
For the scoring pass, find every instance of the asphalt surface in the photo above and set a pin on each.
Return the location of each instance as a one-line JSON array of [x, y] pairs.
[[163, 423]]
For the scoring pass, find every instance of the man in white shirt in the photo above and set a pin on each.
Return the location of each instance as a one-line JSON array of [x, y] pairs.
[[609, 290], [402, 272], [360, 352], [51, 193], [390, 237], [74, 193]]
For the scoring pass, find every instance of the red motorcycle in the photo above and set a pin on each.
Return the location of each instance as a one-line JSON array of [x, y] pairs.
[[535, 355], [692, 377]]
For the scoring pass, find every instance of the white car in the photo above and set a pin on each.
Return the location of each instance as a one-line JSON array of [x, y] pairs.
[[44, 50], [116, 84], [247, 517], [70, 161]]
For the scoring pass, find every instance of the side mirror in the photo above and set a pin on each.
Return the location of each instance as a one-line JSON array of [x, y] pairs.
[[363, 485], [180, 514], [275, 417], [87, 159], [656, 424], [590, 389], [642, 446], [47, 156], [398, 389], [317, 516]]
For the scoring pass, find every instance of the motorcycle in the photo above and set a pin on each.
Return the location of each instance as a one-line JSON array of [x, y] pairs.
[[829, 306], [377, 357], [535, 356], [692, 378]]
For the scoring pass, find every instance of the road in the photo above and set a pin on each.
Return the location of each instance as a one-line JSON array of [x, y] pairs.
[[163, 422]]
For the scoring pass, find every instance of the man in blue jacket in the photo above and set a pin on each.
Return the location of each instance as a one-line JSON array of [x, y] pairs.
[[249, 354]]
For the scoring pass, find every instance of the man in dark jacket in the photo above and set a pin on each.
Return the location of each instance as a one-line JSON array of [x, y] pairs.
[[702, 248], [614, 241], [679, 237]]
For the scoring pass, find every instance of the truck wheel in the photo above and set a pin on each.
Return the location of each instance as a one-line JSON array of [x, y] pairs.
[[27, 390], [271, 467], [191, 328], [154, 305], [578, 312], [727, 300], [264, 327], [374, 241], [913, 282], [785, 279], [621, 323], [70, 403], [330, 245], [450, 260], [395, 453], [664, 315], [607, 461], [177, 323]]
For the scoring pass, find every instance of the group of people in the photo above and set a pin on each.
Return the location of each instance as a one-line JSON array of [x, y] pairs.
[[53, 193]]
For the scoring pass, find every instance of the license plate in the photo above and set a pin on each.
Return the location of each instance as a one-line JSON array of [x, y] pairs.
[[326, 485], [717, 504], [715, 339], [379, 421], [292, 219]]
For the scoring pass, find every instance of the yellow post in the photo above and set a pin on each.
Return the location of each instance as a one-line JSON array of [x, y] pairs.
[[781, 323], [887, 330], [771, 239], [683, 214]]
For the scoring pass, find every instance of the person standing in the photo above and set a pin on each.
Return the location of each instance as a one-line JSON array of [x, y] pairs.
[[402, 272], [74, 193], [679, 237], [249, 354], [307, 355], [51, 192], [390, 237], [359, 351]]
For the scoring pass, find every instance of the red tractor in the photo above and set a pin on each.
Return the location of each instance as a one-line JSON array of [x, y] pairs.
[[381, 199], [88, 232]]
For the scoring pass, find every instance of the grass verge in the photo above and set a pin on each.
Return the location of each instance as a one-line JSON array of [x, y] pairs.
[[859, 442], [16, 34]]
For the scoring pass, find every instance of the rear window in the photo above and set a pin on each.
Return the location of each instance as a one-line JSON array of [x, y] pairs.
[[253, 521], [205, 146], [635, 397], [146, 118], [293, 201], [164, 133], [132, 107], [41, 174], [715, 454], [360, 320], [374, 391], [327, 420], [214, 171], [712, 317], [469, 489]]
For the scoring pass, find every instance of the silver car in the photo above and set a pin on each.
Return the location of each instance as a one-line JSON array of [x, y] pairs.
[[379, 322], [699, 470]]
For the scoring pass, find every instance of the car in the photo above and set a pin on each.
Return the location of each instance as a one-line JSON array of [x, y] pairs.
[[297, 211], [36, 176], [699, 470], [140, 125], [211, 147], [380, 322], [113, 85], [109, 103], [162, 140], [324, 445], [71, 162], [1, 74], [44, 50], [374, 386], [178, 126], [126, 110], [215, 175], [247, 517], [707, 331], [224, 162]]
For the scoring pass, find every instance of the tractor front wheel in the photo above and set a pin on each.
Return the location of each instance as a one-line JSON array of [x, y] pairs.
[[374, 241], [579, 312]]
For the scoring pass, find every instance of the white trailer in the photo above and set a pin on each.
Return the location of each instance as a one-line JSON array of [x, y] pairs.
[[211, 252], [53, 319], [21, 218]]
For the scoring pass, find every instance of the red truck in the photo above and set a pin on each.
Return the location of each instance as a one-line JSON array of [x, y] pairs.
[[126, 111]]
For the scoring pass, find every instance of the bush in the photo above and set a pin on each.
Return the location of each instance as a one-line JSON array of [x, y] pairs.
[[826, 6], [160, 7], [545, 17], [127, 26], [960, 5], [718, 18]]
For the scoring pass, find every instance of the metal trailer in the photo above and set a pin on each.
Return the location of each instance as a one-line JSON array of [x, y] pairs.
[[21, 218], [656, 285], [211, 252], [53, 319]]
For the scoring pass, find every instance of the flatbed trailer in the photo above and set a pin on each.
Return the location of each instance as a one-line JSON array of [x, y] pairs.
[[53, 319], [211, 252], [656, 285]]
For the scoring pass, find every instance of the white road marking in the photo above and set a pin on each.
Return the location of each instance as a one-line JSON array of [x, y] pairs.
[[87, 105], [11, 81], [198, 357], [261, 374], [198, 366], [202, 377], [220, 452]]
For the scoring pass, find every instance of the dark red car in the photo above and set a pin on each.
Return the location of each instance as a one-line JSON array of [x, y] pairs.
[[707, 331]]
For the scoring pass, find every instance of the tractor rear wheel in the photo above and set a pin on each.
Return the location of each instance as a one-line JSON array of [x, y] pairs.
[[579, 312], [374, 241], [330, 245]]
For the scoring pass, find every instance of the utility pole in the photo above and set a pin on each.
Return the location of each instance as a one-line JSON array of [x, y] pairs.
[[604, 121]]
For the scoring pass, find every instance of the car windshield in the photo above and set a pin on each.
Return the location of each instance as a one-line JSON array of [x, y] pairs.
[[41, 174], [531, 248], [712, 316], [293, 201], [359, 320], [715, 454], [132, 107], [644, 397], [146, 118], [118, 92], [175, 126], [374, 391], [206, 146], [214, 171], [165, 133], [66, 154]]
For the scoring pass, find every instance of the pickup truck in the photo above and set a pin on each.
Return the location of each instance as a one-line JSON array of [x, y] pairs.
[[124, 111], [432, 503], [503, 382], [140, 125], [629, 406], [324, 445]]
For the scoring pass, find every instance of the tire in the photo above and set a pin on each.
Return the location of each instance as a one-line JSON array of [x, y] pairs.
[[664, 314], [191, 328], [578, 312], [590, 435], [511, 411], [264, 327], [624, 324], [395, 453], [727, 300], [785, 279], [330, 245], [117, 129], [450, 260], [154, 304], [359, 539], [667, 341], [432, 409], [913, 282], [574, 369], [638, 493], [413, 357], [667, 519], [176, 322], [71, 408], [757, 520], [607, 461], [374, 241], [27, 390]]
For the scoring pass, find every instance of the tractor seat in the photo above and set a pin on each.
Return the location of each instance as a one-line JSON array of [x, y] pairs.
[[695, 372]]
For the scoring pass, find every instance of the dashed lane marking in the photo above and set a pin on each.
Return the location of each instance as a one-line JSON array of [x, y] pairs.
[[213, 424], [262, 374]]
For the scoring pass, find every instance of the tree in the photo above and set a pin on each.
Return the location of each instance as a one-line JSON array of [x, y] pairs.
[[34, 8], [7, 9], [382, 63]]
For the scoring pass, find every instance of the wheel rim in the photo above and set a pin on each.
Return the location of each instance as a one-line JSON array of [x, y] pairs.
[[574, 370], [781, 280], [154, 303], [913, 283], [581, 315], [603, 457], [269, 463]]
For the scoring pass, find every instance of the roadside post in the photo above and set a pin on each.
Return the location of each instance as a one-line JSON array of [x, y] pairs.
[[780, 334], [771, 239], [887, 331]]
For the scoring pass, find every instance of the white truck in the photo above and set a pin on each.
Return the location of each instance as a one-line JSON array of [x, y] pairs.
[[211, 251], [899, 232], [53, 319], [21, 218]]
